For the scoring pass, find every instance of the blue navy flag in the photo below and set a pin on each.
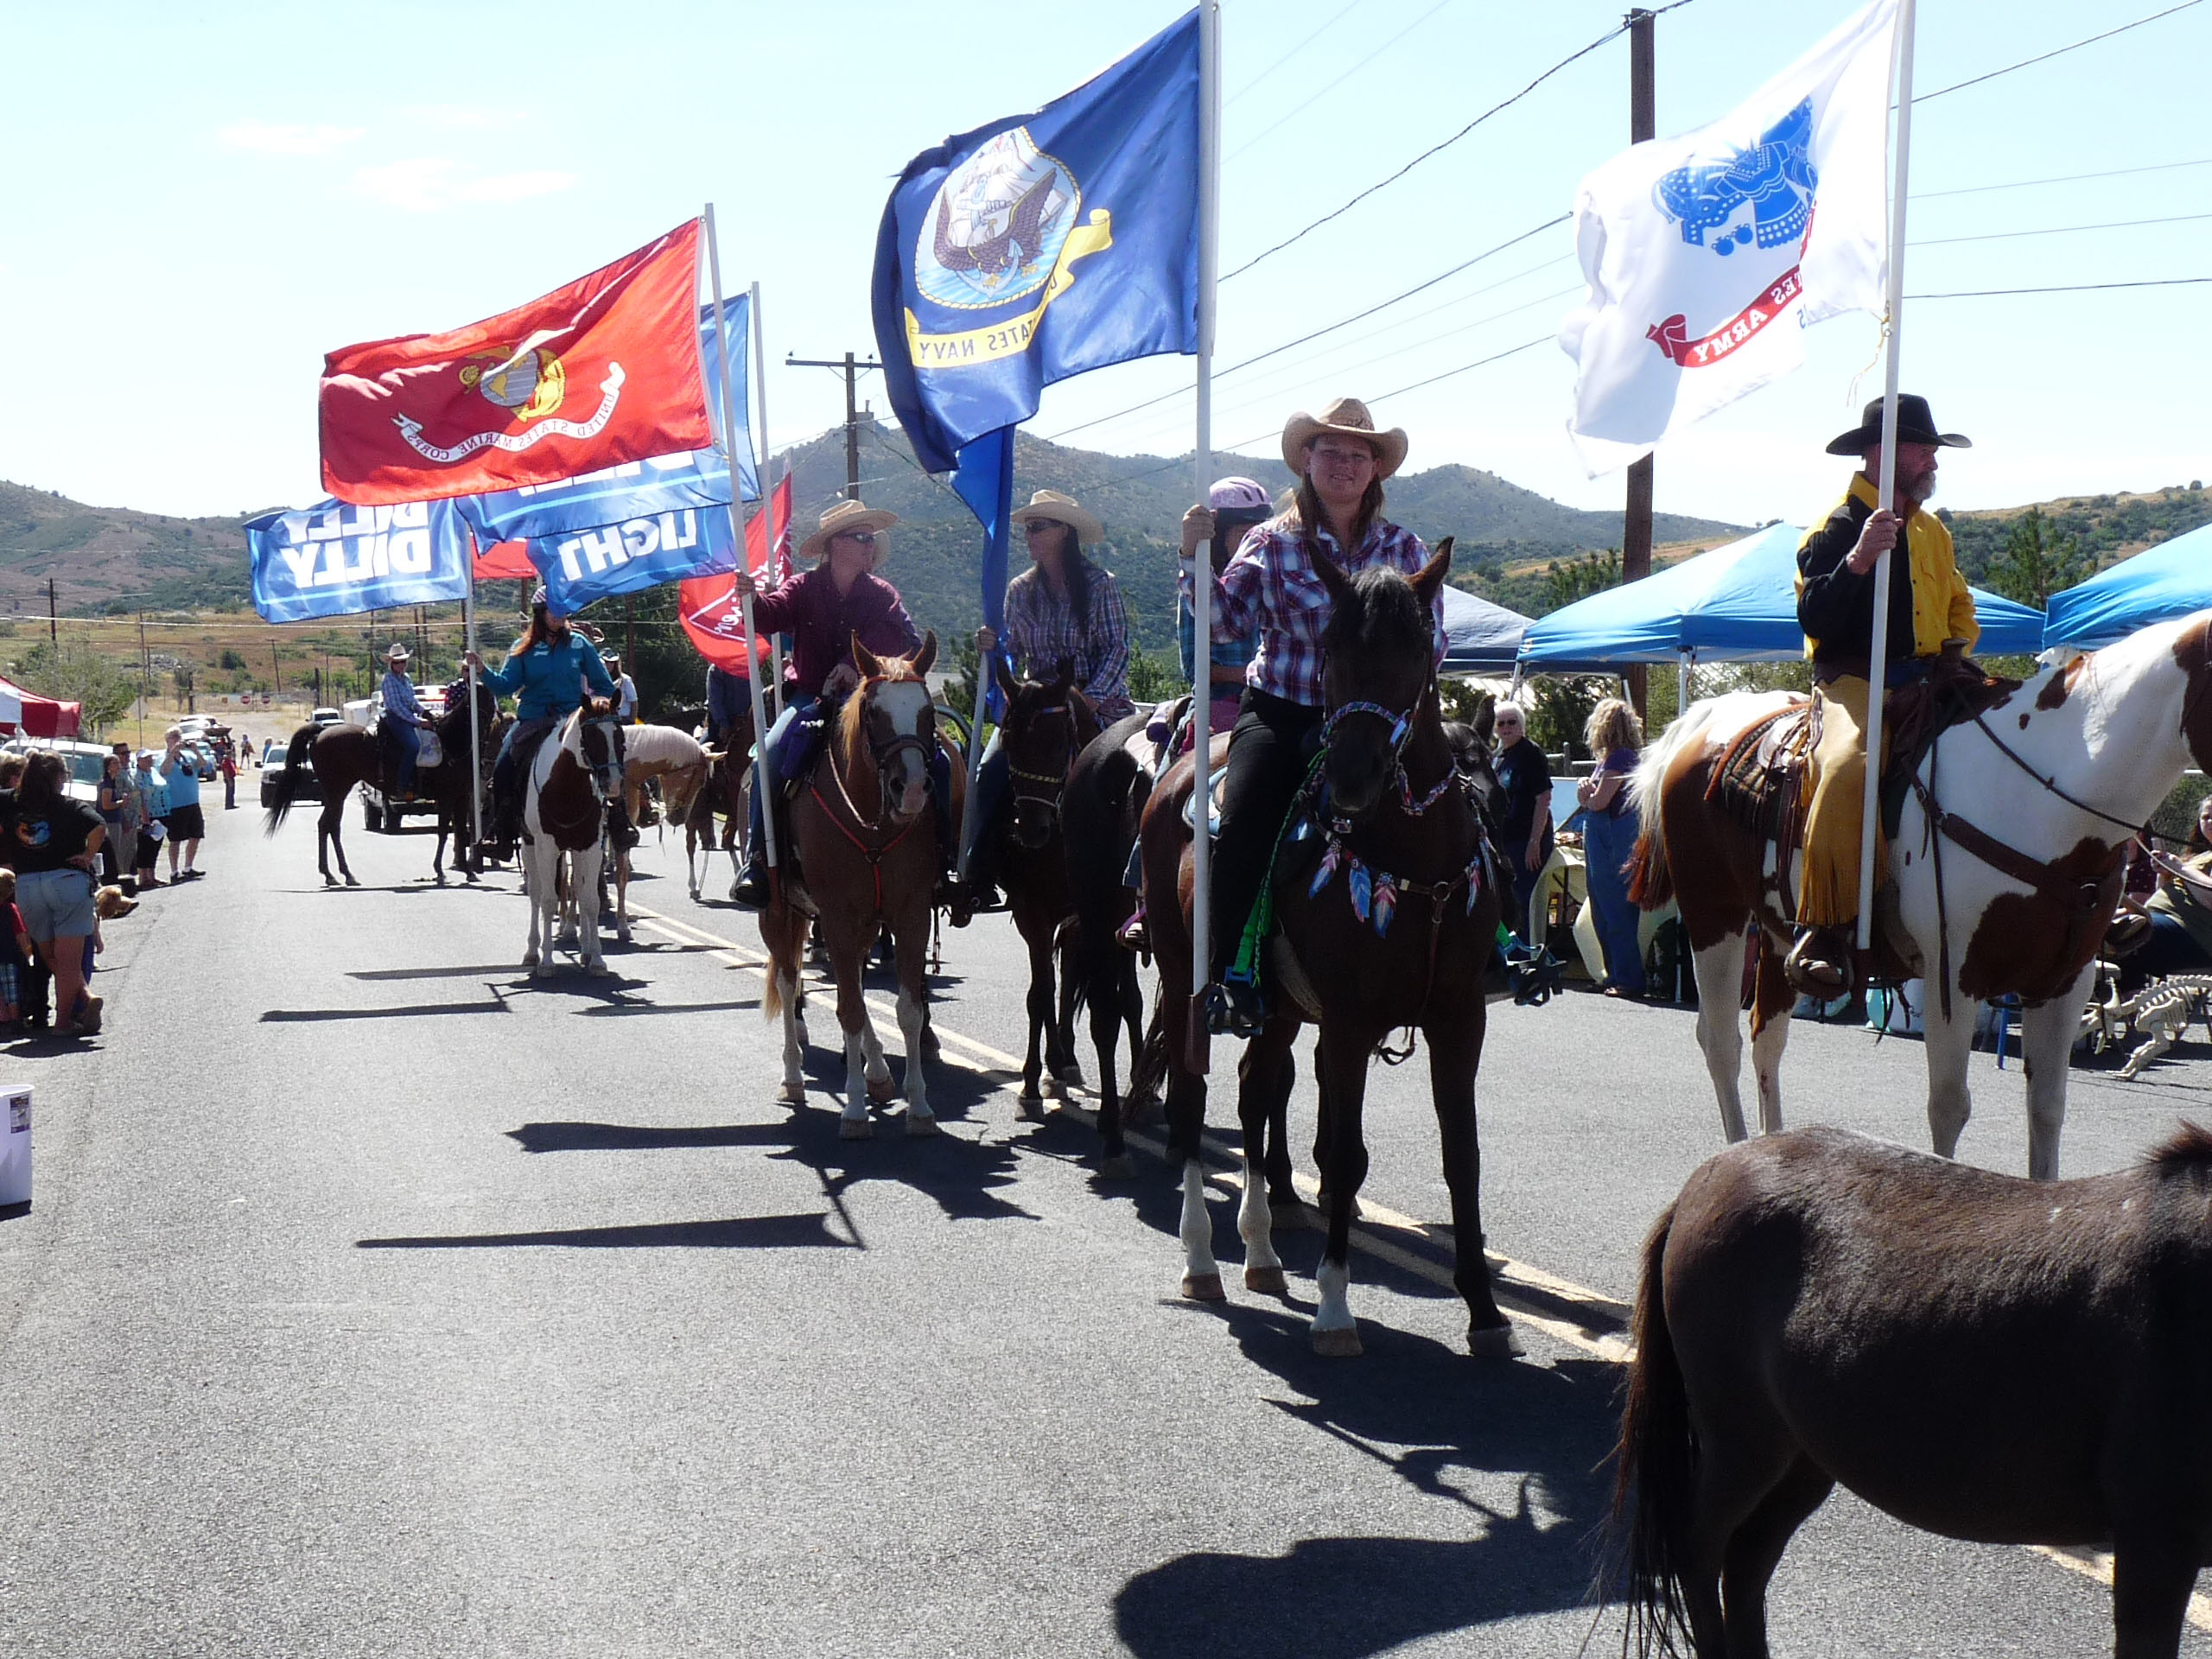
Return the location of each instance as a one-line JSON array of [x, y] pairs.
[[583, 565], [1039, 247], [332, 560]]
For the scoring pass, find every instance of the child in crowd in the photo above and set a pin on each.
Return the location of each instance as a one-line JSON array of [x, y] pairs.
[[14, 952]]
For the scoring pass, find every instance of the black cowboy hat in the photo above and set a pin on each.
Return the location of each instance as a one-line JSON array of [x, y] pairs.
[[1915, 425]]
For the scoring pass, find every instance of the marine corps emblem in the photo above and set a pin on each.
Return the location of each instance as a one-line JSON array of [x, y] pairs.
[[530, 381]]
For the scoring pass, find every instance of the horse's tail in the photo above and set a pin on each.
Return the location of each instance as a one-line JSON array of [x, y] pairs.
[[1651, 884], [287, 787], [1070, 960], [1656, 1468]]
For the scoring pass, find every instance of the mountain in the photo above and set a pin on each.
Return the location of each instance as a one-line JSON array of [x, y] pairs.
[[102, 558]]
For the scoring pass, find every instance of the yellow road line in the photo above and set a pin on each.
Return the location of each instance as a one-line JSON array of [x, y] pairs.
[[2095, 1565]]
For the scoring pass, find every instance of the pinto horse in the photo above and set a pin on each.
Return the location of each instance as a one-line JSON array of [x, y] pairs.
[[1982, 1356], [1047, 723], [576, 775], [343, 757], [2007, 862], [679, 764], [1399, 837], [868, 858]]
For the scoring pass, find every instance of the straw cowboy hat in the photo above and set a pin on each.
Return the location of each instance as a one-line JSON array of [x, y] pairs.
[[1916, 424], [1061, 510], [397, 654], [847, 515], [1347, 418]]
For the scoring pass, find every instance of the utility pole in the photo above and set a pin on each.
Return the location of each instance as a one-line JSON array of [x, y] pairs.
[[629, 632], [145, 678], [276, 668], [1635, 530], [852, 369], [52, 628]]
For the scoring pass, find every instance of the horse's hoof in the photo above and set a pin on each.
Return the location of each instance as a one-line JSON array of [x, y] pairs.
[[855, 1129], [598, 971], [1070, 1075], [351, 882], [332, 881], [1029, 1105], [1266, 1282], [1123, 1168], [530, 959], [1493, 1342], [1204, 1288], [1337, 1344], [791, 1094], [923, 1125], [881, 1090], [543, 970]]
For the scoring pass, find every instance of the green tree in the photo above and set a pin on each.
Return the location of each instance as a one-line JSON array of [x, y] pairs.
[[2035, 563], [1565, 583], [73, 671], [1154, 677]]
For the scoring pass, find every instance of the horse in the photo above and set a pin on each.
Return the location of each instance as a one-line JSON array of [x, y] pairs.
[[2069, 765], [344, 756], [575, 776], [868, 855], [1399, 829], [679, 763], [1100, 812], [1047, 724], [1982, 1356], [728, 778]]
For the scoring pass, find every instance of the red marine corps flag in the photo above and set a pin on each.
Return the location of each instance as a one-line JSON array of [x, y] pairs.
[[600, 372]]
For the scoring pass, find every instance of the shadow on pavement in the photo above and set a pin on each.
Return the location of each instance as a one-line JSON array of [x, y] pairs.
[[643, 1137], [477, 972], [739, 1233], [626, 1007], [496, 1004], [1453, 1429]]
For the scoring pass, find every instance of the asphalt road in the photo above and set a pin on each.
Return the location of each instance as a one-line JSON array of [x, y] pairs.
[[378, 1300]]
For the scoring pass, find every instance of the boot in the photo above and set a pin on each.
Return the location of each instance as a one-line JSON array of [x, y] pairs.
[[1819, 963], [1234, 1006]]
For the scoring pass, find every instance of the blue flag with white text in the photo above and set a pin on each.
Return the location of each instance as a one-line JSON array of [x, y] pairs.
[[1041, 246], [580, 566], [333, 560]]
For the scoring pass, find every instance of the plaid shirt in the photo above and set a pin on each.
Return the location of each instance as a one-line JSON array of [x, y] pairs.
[[1040, 630], [1271, 585]]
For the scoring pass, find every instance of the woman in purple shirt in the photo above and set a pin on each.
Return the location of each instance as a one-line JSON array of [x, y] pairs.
[[825, 609]]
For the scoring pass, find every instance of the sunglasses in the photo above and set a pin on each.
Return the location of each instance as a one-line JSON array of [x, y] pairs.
[[857, 538], [1030, 527]]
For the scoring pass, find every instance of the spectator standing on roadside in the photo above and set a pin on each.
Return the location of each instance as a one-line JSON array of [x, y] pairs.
[[625, 689], [114, 786], [227, 764], [153, 799], [14, 952], [185, 823], [55, 842]]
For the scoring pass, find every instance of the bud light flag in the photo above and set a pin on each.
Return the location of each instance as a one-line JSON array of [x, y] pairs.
[[604, 370], [1707, 254], [1041, 246], [582, 566], [337, 560]]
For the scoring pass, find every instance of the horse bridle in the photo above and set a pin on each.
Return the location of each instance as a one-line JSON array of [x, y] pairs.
[[1401, 729], [873, 855], [1049, 804]]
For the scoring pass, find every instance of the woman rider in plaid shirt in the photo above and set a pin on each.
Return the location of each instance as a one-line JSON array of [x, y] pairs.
[[1341, 461], [1062, 605]]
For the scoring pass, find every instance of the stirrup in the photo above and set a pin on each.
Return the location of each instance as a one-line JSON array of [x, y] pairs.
[[1819, 962], [1234, 1008], [1135, 935]]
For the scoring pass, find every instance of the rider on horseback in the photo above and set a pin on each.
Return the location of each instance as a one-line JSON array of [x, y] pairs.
[[1930, 605], [1341, 461], [549, 670], [403, 720], [826, 610]]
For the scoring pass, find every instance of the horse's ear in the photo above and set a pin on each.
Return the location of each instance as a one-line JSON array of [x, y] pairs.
[[1432, 574], [870, 664], [1485, 720], [1331, 578], [1064, 676], [921, 660]]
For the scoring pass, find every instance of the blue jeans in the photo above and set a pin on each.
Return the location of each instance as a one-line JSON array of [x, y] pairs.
[[994, 777], [1608, 844], [409, 740]]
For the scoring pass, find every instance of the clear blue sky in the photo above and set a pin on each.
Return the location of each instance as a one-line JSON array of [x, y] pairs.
[[201, 201]]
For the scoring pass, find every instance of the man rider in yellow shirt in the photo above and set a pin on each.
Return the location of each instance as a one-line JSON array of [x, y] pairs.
[[1929, 605]]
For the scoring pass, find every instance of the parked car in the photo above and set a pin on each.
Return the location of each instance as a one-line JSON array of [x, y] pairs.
[[86, 761], [308, 787], [327, 717], [199, 758]]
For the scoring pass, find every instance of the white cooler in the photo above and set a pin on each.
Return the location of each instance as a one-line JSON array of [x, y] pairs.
[[16, 1145]]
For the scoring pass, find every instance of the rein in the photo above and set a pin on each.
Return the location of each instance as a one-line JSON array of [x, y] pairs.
[[873, 854]]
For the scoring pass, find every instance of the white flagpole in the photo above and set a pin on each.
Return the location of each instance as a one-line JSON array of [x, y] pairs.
[[475, 740], [1202, 570], [768, 463], [1885, 486], [737, 531], [986, 671]]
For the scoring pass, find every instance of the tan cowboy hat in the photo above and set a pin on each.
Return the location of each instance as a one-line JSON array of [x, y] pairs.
[[397, 654], [1061, 509], [845, 515], [1348, 418]]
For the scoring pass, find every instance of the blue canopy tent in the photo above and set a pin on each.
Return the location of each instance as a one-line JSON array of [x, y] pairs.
[[2171, 579], [1480, 637], [1735, 604]]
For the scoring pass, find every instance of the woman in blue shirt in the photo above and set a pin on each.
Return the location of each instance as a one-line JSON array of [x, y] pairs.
[[548, 670]]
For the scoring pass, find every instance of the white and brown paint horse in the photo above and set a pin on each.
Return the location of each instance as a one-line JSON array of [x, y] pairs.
[[868, 861], [576, 773], [680, 763], [2036, 802]]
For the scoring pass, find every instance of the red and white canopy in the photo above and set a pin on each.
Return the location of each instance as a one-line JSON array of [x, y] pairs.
[[34, 715]]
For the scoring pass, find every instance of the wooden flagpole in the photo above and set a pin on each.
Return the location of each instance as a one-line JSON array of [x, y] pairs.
[[1198, 1049], [1885, 486], [737, 532]]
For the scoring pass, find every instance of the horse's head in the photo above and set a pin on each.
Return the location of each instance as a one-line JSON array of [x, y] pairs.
[[1378, 675], [596, 741], [1047, 723], [889, 728]]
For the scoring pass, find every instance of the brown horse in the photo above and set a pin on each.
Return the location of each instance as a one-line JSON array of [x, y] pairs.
[[729, 779], [1982, 1356], [867, 858], [1047, 723], [344, 756], [1399, 837]]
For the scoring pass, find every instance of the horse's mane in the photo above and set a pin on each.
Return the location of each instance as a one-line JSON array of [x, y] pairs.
[[852, 735], [2189, 1146], [1380, 612]]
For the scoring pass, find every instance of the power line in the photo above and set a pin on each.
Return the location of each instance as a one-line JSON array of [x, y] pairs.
[[2058, 229], [1346, 323], [1439, 148], [2068, 288], [2062, 178], [1304, 106], [2060, 52], [1498, 357], [1342, 13]]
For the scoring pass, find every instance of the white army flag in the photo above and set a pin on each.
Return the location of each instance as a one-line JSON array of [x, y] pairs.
[[1708, 253]]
